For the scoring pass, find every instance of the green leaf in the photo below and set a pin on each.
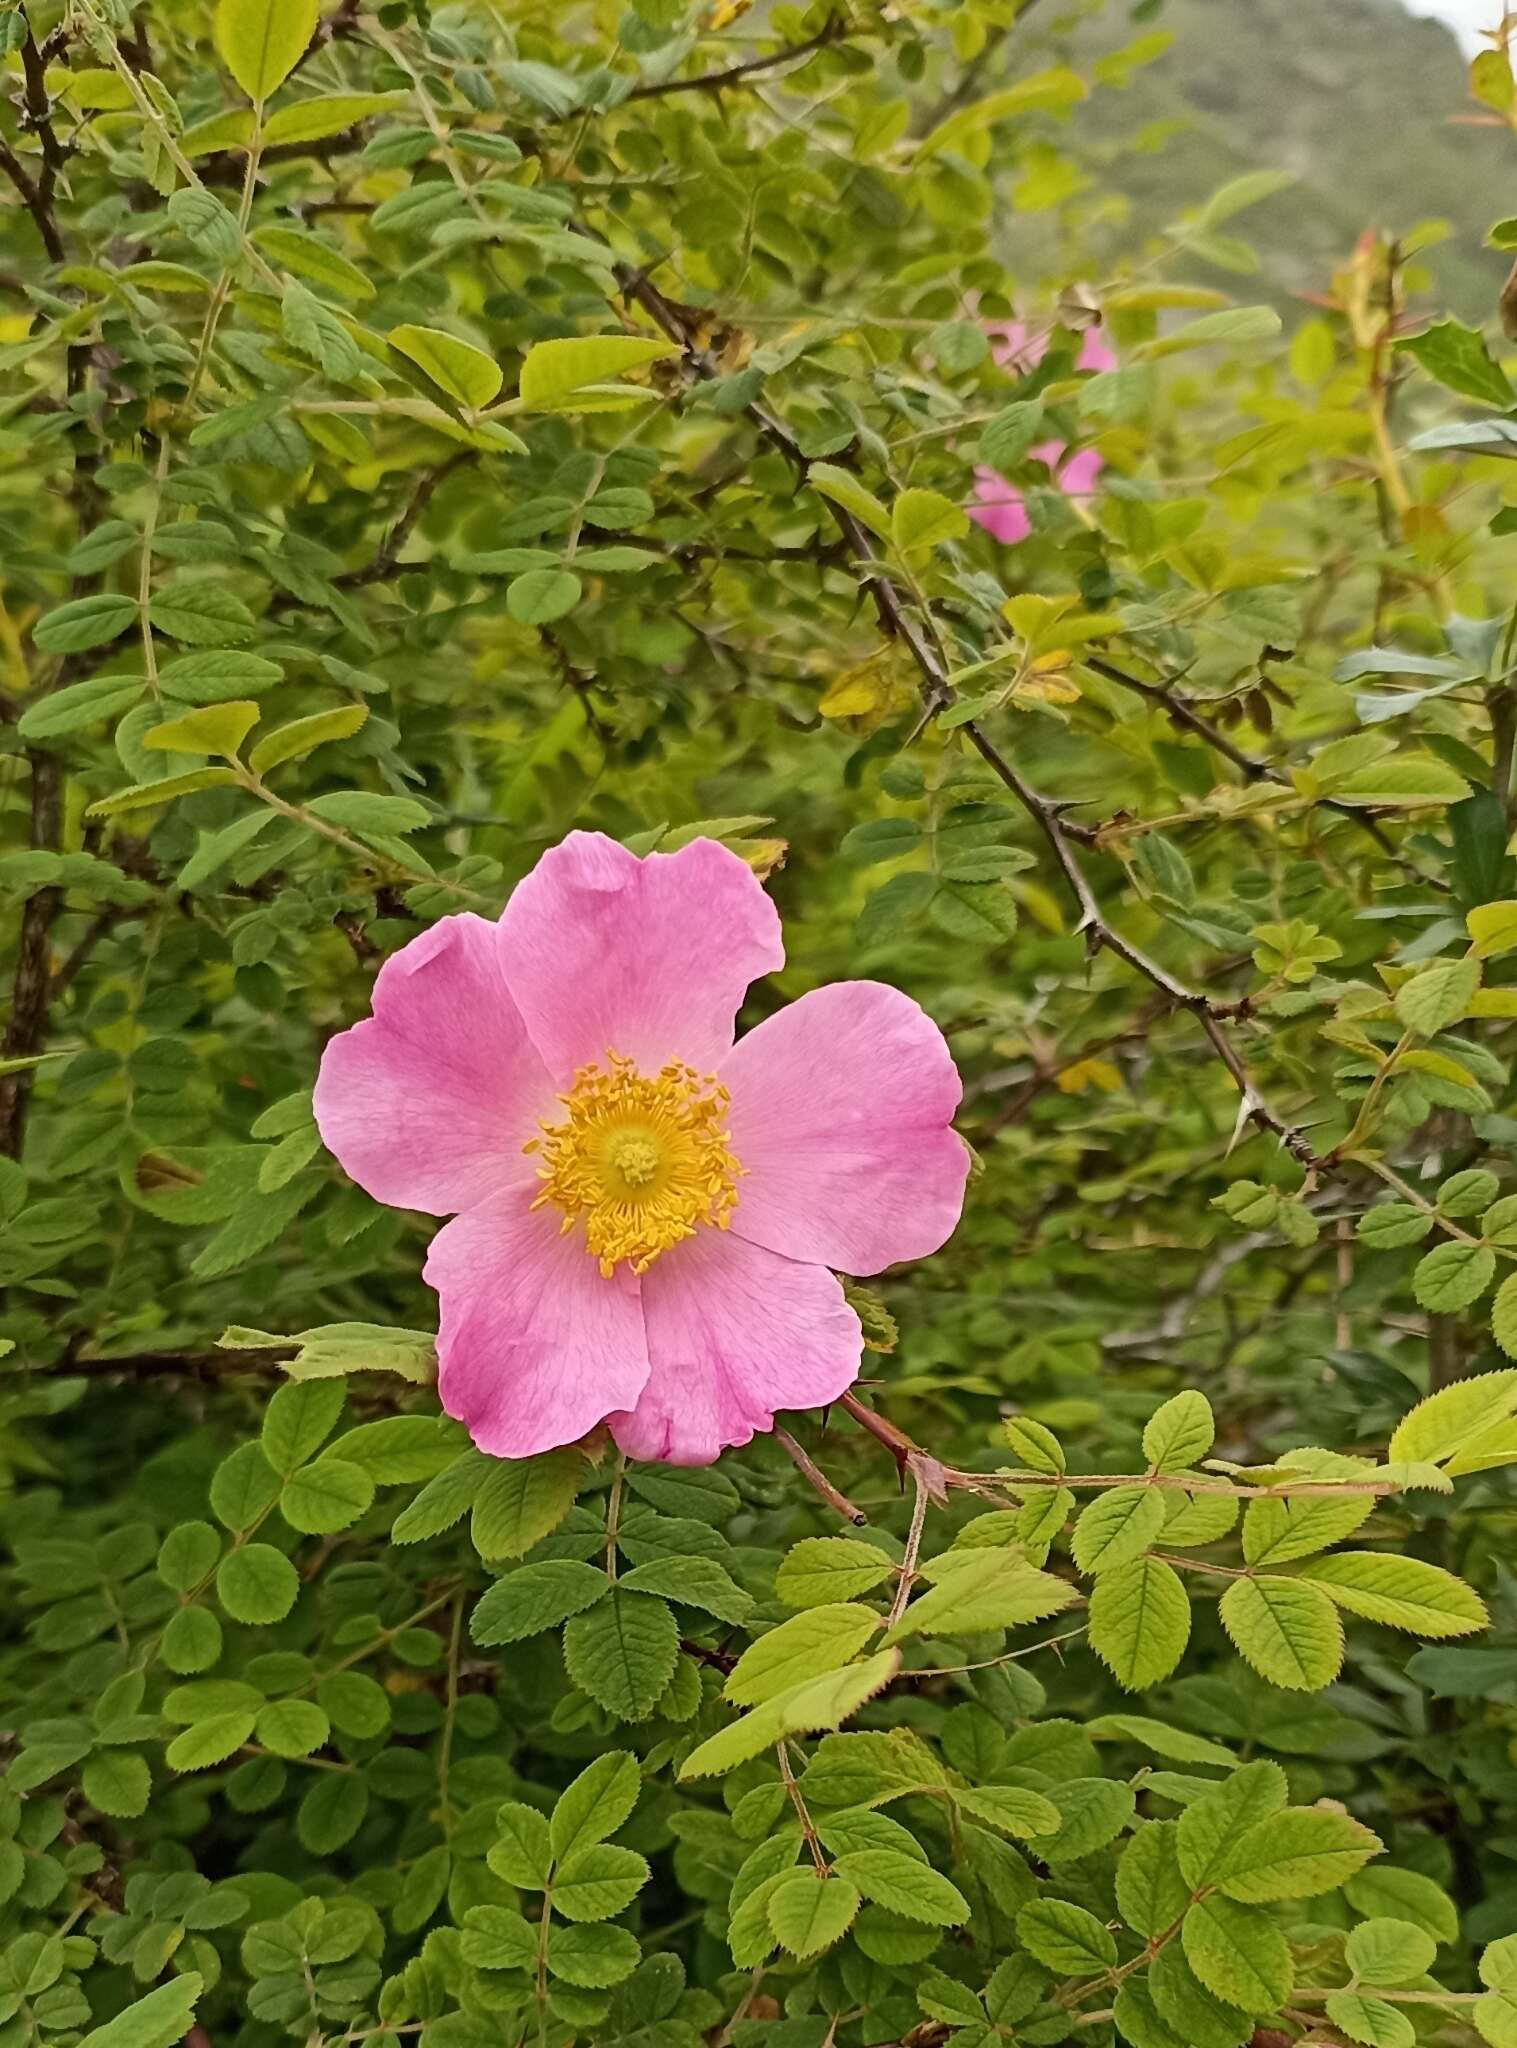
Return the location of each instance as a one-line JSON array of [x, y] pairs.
[[302, 736], [1286, 1630], [157, 2021], [188, 1555], [257, 1584], [210, 1741], [118, 1782], [809, 1910], [1401, 1592], [1295, 1854], [1010, 1809], [1152, 1891], [79, 705], [1139, 1621], [1072, 1942], [1392, 1952], [1209, 1826], [292, 1727], [298, 1420], [1371, 2020], [1239, 1954], [553, 371], [803, 1709], [819, 1640], [980, 1589], [597, 1881], [522, 1854], [594, 1958], [203, 614], [497, 1938], [304, 253], [1179, 1434], [261, 41], [922, 520], [1055, 91], [903, 1885], [318, 332], [822, 1570], [521, 1500], [596, 1804], [465, 372], [1458, 358], [1447, 1422], [622, 1652], [534, 1598], [326, 1495], [694, 1582], [1453, 1275], [1382, 1890], [84, 622], [843, 488], [1392, 1224], [324, 114], [1438, 996], [542, 595], [1117, 1527], [1276, 1531]]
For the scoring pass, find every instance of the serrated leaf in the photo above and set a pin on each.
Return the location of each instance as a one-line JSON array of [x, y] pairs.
[[808, 1911], [518, 1501], [821, 1639], [1401, 1592], [803, 1709], [1179, 1434], [1139, 1621], [1238, 1953], [1286, 1630], [533, 1598], [824, 1570], [1072, 1942], [622, 1652], [1117, 1527]]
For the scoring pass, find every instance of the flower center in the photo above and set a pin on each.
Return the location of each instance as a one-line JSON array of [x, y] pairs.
[[642, 1158]]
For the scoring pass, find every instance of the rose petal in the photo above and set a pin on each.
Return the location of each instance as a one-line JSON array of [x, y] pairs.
[[428, 1103], [734, 1333], [648, 958], [534, 1347], [840, 1118]]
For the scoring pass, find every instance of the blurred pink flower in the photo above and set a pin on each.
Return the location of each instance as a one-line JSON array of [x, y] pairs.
[[648, 1219], [998, 505]]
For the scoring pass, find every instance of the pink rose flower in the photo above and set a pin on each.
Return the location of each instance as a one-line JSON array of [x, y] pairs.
[[646, 1216], [997, 505]]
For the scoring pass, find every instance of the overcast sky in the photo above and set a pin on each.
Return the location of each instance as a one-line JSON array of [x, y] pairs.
[[1467, 16]]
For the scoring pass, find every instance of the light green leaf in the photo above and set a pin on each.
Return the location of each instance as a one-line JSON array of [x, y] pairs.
[[1117, 1527], [1286, 1630], [465, 372], [1401, 1592], [1179, 1434], [622, 1652], [819, 1640], [1139, 1621], [553, 371]]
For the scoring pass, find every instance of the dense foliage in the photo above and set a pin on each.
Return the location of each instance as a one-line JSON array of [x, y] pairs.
[[426, 433]]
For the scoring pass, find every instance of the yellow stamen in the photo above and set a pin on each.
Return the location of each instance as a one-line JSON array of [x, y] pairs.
[[642, 1158]]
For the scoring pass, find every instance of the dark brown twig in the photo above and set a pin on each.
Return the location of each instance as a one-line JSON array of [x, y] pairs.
[[831, 31], [811, 1471]]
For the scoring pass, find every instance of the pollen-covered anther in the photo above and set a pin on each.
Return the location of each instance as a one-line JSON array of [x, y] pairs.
[[642, 1159]]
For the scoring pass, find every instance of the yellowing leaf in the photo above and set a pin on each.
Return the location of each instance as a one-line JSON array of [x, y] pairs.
[[465, 372], [553, 371], [261, 41]]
